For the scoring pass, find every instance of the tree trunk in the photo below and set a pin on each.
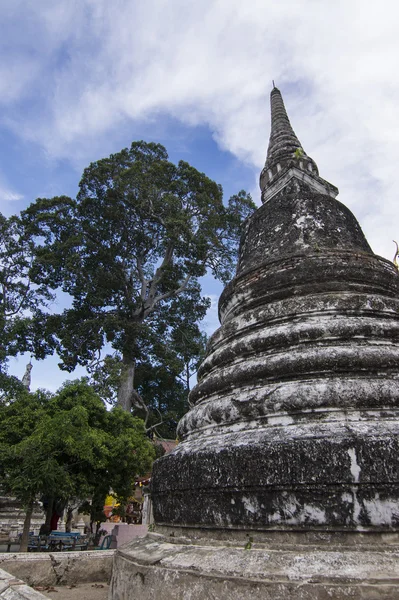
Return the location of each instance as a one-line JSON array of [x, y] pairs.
[[68, 522], [49, 513], [188, 375], [25, 533], [126, 386], [128, 396]]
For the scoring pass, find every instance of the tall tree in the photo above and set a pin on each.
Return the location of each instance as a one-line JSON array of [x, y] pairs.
[[129, 250]]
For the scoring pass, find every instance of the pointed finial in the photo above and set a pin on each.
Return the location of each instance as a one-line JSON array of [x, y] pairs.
[[285, 152]]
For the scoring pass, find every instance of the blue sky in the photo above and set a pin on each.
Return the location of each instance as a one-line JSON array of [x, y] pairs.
[[80, 79]]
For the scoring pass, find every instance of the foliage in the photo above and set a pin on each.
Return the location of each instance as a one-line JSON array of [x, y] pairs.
[[20, 300], [10, 386], [129, 250], [68, 445], [162, 382], [189, 344]]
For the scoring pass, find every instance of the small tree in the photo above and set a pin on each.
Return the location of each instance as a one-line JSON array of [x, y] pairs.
[[26, 470], [68, 445]]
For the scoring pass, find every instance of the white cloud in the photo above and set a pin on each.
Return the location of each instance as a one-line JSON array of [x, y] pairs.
[[7, 195], [211, 320], [96, 66], [15, 77]]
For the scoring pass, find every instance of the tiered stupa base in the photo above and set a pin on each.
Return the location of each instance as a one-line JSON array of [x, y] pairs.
[[187, 564]]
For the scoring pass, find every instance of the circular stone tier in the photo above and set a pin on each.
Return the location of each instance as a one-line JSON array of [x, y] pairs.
[[182, 565], [296, 412]]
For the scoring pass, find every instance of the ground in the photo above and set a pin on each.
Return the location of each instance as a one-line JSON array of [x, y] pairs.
[[84, 591]]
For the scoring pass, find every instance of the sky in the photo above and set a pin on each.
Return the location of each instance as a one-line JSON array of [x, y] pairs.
[[81, 79]]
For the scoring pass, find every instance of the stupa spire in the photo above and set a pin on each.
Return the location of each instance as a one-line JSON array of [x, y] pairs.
[[283, 141], [26, 379], [286, 156]]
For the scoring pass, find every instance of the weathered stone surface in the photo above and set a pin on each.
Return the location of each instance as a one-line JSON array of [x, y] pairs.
[[59, 568], [295, 223], [182, 569], [15, 589]]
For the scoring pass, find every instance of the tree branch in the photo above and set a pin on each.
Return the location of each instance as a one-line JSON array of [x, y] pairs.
[[17, 310], [144, 281], [167, 259], [165, 296]]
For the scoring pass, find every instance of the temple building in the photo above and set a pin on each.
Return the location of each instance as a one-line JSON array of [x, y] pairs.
[[294, 430]]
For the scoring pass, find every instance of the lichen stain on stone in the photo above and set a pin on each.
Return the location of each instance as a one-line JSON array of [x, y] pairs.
[[354, 467], [382, 511]]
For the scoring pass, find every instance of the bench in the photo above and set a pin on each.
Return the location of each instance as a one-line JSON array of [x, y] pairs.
[[57, 541], [106, 543], [60, 540], [37, 543]]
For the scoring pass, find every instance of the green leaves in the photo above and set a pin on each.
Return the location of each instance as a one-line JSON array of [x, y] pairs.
[[21, 298], [136, 239], [68, 445]]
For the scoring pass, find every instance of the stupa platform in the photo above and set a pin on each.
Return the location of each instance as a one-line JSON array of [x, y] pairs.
[[185, 565]]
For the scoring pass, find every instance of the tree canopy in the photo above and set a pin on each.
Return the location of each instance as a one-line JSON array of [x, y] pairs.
[[20, 300], [129, 251]]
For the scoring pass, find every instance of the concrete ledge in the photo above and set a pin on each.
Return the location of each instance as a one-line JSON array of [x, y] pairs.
[[59, 568], [156, 567], [15, 589]]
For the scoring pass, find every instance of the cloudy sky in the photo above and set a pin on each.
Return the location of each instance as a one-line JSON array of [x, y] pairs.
[[80, 79]]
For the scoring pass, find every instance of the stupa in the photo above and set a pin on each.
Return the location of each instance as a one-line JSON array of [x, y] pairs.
[[285, 482]]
